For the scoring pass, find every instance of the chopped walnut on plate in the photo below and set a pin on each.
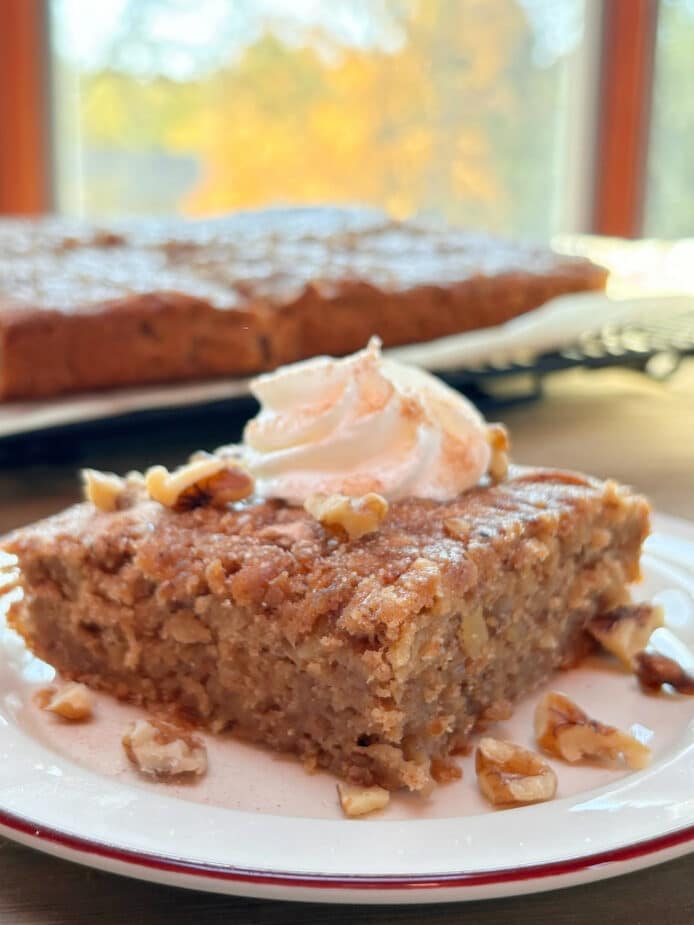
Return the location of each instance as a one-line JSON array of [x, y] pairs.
[[359, 801], [509, 775], [162, 750], [72, 701], [563, 729], [654, 670], [625, 631]]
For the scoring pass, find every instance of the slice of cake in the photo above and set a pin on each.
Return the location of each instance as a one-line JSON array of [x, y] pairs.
[[369, 630]]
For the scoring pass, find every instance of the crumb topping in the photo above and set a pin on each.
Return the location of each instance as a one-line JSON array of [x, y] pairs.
[[277, 558]]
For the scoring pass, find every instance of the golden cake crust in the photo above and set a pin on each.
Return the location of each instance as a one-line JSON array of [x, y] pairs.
[[277, 557]]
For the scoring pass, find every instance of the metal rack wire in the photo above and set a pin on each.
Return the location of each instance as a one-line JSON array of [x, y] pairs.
[[655, 347]]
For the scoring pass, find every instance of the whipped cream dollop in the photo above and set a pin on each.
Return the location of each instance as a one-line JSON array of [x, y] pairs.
[[361, 424]]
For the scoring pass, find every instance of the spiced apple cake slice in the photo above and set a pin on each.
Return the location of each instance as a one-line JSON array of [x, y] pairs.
[[367, 630]]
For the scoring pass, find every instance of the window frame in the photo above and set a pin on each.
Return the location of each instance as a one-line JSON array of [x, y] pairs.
[[615, 129], [25, 152], [623, 113]]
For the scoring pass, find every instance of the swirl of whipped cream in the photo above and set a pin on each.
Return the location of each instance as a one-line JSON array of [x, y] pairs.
[[360, 424]]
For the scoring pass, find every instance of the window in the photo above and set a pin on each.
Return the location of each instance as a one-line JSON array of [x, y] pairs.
[[525, 116], [459, 109], [670, 199]]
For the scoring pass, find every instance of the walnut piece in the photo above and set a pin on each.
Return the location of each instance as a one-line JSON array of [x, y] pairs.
[[509, 775], [103, 489], [346, 516], [206, 480], [109, 492], [73, 701], [160, 749], [497, 436], [358, 801], [625, 631], [653, 670], [563, 729]]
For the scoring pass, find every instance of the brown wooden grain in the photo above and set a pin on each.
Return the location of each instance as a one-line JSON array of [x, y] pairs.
[[610, 423]]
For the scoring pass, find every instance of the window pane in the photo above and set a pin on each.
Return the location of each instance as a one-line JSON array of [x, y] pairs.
[[670, 197], [458, 109]]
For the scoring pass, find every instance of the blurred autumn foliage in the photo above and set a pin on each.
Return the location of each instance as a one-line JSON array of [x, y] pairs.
[[453, 118]]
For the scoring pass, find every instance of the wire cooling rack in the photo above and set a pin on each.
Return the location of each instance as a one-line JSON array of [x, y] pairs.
[[655, 347]]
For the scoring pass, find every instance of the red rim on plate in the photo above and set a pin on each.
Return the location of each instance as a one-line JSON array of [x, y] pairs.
[[357, 882]]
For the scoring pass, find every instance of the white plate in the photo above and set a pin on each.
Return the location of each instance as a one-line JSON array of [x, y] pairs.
[[258, 825], [556, 324]]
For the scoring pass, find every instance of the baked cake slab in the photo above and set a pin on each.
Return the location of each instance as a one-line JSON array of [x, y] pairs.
[[374, 657], [86, 307]]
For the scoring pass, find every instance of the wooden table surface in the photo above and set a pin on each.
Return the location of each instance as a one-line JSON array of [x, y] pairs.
[[610, 423]]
